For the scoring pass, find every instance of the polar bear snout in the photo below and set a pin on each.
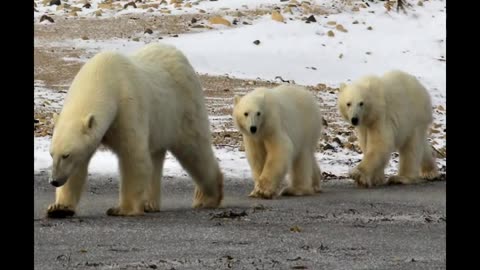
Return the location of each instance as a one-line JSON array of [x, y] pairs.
[[253, 129], [57, 182], [354, 121]]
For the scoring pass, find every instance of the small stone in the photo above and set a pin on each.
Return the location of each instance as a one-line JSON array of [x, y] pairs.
[[85, 38], [276, 16], [105, 6], [130, 4], [98, 13], [331, 23], [87, 5], [219, 20], [194, 20], [148, 31], [355, 22], [55, 2], [340, 28], [355, 9], [136, 39], [256, 42], [311, 19], [46, 18], [420, 3], [369, 28], [76, 9], [330, 33]]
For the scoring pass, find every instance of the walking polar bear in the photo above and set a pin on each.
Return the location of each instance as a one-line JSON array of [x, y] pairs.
[[139, 106], [280, 128], [389, 113]]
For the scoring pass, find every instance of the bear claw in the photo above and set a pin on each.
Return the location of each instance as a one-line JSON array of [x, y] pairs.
[[59, 211]]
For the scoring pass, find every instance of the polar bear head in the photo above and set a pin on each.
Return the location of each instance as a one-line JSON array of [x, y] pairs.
[[73, 143], [249, 112], [359, 103]]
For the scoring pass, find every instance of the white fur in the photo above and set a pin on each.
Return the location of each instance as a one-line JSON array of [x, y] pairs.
[[139, 106], [288, 123], [394, 112]]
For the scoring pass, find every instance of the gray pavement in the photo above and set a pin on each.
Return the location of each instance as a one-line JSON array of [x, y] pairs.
[[345, 227]]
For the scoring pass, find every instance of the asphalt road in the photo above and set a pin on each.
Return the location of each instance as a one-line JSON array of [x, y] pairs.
[[345, 227]]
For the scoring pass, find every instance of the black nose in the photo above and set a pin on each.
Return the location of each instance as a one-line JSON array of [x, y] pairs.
[[55, 183], [354, 121], [253, 129]]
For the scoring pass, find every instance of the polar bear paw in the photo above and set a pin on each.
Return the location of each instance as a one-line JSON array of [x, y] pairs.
[[56, 210]]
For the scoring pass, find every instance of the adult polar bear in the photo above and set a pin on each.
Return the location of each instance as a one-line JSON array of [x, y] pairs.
[[139, 106], [280, 127], [391, 112]]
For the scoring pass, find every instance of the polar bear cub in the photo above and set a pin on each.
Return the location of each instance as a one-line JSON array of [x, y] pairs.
[[389, 113], [280, 127]]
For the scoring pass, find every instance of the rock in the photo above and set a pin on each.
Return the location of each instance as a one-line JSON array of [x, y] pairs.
[[355, 22], [219, 20], [340, 28], [276, 16], [130, 4], [256, 42], [73, 13], [331, 23], [76, 9], [194, 20], [55, 2], [311, 19], [105, 6], [369, 28], [355, 9], [148, 31], [98, 13], [136, 39], [85, 38], [87, 5], [46, 18], [330, 33]]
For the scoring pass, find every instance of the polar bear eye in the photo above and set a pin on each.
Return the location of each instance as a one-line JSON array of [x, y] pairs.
[[348, 104], [246, 114], [65, 156], [361, 104], [258, 113]]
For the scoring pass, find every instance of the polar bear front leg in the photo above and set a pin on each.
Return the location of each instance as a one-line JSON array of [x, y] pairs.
[[152, 204], [370, 171], [256, 156], [275, 168], [68, 195], [136, 170]]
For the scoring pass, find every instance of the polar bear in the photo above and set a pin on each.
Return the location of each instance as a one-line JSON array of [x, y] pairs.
[[389, 113], [280, 128], [139, 106]]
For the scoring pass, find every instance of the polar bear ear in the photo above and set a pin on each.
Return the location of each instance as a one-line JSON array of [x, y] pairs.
[[342, 86], [236, 99], [88, 122]]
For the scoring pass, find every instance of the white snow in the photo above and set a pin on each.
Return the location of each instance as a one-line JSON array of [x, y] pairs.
[[413, 42]]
